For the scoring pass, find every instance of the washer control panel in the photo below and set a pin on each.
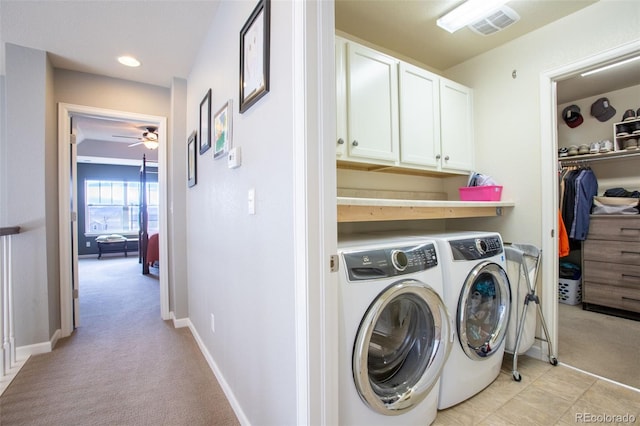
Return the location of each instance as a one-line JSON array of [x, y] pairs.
[[389, 262], [476, 248]]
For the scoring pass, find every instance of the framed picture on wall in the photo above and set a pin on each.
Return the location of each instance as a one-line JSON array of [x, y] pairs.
[[254, 56], [192, 160], [205, 123], [222, 130]]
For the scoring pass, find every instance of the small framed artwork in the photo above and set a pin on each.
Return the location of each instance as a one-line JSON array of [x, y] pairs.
[[192, 160], [222, 121], [254, 56], [205, 123]]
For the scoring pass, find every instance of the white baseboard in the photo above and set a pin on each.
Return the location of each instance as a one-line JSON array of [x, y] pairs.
[[6, 380], [179, 323], [22, 355], [24, 352], [242, 418]]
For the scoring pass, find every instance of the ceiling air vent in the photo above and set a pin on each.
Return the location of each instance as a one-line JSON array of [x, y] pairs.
[[497, 21]]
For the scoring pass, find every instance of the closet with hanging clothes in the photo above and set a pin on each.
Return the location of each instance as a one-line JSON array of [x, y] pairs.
[[603, 231]]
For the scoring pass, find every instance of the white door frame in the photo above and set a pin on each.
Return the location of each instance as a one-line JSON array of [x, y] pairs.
[[65, 111], [549, 164], [315, 223]]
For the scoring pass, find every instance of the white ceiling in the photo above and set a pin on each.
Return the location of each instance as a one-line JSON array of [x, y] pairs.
[[165, 35], [89, 35]]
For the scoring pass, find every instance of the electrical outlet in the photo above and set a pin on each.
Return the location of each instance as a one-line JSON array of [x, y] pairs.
[[88, 243], [213, 324]]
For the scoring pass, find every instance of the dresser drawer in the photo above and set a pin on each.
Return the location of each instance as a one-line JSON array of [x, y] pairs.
[[612, 296], [614, 274], [619, 228], [625, 252]]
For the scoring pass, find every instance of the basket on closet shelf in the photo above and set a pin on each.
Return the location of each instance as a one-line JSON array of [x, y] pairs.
[[481, 193]]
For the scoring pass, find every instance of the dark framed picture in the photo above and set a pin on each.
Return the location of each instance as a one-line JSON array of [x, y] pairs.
[[222, 122], [205, 123], [254, 56], [192, 160]]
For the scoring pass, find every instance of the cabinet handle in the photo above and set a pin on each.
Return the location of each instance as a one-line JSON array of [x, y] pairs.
[[629, 252], [340, 141], [354, 143], [630, 298], [438, 157], [629, 229], [446, 158]]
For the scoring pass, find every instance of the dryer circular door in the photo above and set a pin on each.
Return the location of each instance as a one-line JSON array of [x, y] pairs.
[[483, 310], [401, 346]]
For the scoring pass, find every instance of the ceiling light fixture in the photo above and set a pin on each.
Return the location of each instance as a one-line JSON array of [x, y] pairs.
[[468, 13], [150, 144], [129, 61], [608, 67]]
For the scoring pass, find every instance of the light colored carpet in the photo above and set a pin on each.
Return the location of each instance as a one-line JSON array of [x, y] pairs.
[[123, 366], [600, 344]]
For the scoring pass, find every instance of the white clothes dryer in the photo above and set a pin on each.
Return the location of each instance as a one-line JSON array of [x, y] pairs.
[[395, 332], [478, 294]]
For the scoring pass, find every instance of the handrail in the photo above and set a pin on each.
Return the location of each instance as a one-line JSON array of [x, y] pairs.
[[9, 230]]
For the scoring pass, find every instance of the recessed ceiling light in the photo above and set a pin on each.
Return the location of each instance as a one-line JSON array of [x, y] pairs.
[[129, 61]]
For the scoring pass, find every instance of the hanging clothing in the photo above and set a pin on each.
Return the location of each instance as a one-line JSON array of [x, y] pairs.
[[586, 189], [563, 238], [579, 185]]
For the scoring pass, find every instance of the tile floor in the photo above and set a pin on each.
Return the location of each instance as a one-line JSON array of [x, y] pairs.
[[546, 395]]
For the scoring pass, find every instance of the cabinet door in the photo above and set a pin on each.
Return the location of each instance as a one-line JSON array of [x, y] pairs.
[[372, 104], [456, 126], [341, 98], [419, 117]]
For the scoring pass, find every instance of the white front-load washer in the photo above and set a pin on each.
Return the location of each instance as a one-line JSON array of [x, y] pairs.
[[395, 331], [477, 294]]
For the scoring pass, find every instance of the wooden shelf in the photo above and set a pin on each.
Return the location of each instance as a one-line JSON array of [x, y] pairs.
[[367, 167], [352, 209]]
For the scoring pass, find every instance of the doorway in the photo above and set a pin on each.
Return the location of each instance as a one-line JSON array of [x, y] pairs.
[[549, 173], [68, 208]]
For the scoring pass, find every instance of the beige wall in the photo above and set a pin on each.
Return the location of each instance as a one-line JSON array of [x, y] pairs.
[[508, 112]]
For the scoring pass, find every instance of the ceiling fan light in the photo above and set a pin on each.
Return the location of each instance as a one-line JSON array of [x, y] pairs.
[[467, 13], [150, 144]]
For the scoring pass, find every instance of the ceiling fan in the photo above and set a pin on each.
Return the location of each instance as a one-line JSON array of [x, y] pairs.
[[149, 137]]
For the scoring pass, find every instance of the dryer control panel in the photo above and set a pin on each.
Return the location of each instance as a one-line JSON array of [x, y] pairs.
[[389, 262], [476, 248]]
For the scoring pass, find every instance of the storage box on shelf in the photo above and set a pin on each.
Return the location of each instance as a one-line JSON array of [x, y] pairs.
[[480, 193], [611, 263]]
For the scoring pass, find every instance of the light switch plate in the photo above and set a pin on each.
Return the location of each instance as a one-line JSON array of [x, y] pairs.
[[234, 159]]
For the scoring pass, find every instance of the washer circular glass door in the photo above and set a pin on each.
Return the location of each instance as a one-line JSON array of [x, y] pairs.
[[483, 310], [401, 347]]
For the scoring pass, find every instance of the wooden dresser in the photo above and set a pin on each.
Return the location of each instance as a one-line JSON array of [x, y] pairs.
[[611, 263]]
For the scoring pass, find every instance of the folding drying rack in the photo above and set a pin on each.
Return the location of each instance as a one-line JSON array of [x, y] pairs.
[[528, 258]]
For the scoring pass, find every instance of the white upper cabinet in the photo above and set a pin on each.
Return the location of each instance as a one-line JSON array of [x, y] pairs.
[[456, 126], [372, 104], [366, 105], [392, 113], [419, 117]]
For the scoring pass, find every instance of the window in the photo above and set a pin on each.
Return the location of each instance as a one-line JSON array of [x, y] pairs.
[[114, 206]]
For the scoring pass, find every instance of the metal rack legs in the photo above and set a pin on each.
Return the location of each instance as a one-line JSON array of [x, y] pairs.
[[522, 253]]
